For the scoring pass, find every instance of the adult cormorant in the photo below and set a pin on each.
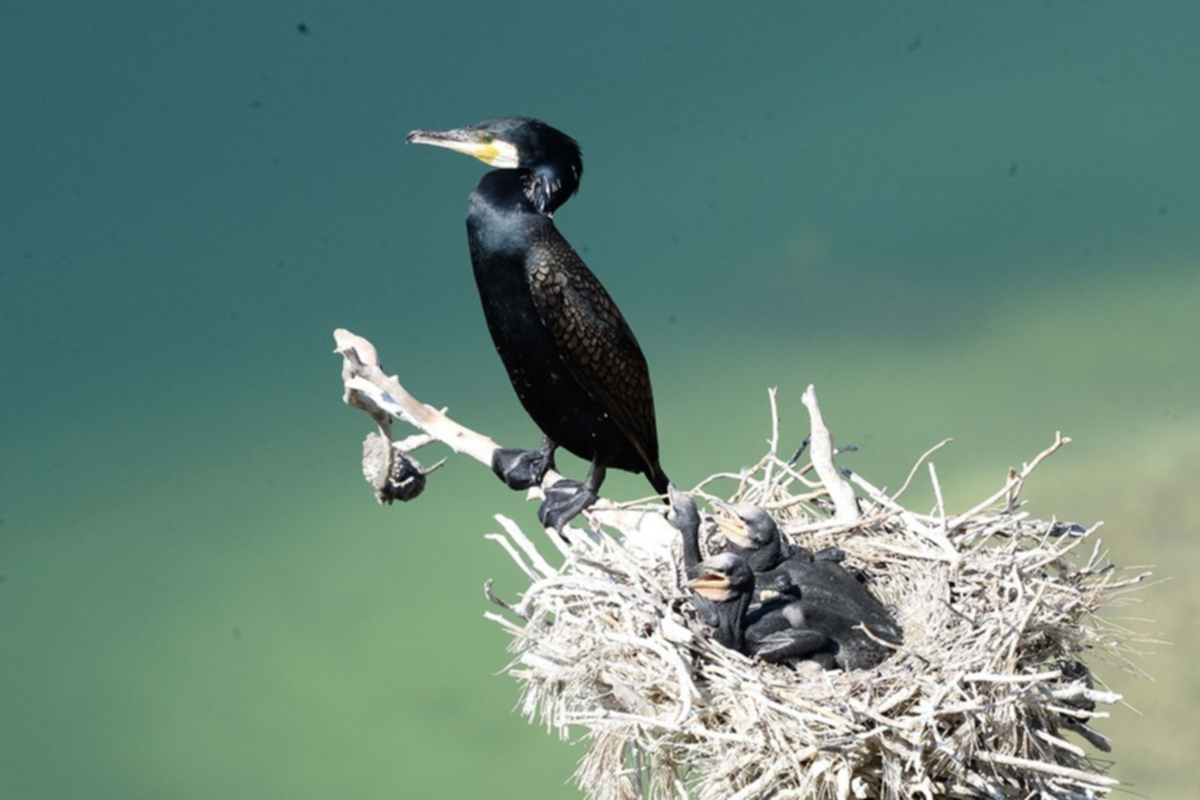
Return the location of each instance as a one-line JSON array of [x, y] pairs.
[[573, 360]]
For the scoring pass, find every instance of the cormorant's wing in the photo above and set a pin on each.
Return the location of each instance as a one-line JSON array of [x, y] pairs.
[[827, 588], [604, 356]]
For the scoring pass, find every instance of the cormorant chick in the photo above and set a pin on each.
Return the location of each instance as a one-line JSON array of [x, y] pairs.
[[810, 626], [755, 536], [724, 586], [687, 521], [573, 360], [779, 630], [834, 599]]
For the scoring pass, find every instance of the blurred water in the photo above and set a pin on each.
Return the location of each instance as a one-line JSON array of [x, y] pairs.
[[959, 220]]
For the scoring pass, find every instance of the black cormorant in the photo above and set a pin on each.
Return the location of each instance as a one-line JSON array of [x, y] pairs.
[[818, 610], [814, 625], [687, 521], [724, 587], [783, 629], [573, 360], [753, 534]]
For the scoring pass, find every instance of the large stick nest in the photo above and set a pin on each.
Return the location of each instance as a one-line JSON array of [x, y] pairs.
[[988, 696]]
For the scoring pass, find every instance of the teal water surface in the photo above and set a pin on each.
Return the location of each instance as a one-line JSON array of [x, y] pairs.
[[967, 220]]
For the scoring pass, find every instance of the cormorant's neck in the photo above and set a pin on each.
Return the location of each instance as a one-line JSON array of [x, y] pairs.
[[500, 216], [502, 191], [771, 554], [543, 189], [731, 630], [762, 558]]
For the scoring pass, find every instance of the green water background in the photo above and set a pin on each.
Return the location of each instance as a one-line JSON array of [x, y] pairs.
[[968, 220]]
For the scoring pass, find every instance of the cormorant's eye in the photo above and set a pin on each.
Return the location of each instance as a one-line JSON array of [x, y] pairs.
[[487, 138]]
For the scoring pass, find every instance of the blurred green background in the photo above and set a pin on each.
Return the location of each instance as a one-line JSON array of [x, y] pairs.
[[968, 220]]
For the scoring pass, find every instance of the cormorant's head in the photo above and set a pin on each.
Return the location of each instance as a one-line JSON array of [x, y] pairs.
[[785, 584], [552, 160], [723, 578], [751, 530]]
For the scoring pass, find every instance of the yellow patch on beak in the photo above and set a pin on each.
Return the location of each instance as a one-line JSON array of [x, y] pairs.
[[499, 154]]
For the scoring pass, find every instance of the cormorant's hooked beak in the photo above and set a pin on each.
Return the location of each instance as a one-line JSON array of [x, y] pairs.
[[478, 143], [712, 584], [746, 525], [735, 530]]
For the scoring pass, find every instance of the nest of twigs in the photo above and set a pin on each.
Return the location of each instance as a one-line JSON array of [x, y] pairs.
[[989, 695]]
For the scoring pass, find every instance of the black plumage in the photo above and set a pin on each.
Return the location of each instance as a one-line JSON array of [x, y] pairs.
[[754, 535], [833, 599], [817, 610], [572, 358], [723, 592], [724, 587], [821, 621]]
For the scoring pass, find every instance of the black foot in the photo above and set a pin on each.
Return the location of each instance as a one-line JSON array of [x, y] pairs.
[[521, 469], [564, 501]]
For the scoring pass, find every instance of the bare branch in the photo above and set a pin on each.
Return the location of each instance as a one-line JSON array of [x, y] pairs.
[[368, 387], [382, 396], [821, 450]]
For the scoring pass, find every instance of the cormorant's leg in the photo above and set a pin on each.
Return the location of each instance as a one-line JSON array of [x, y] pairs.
[[523, 469], [565, 499]]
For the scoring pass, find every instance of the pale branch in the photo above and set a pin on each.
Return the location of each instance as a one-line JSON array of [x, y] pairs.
[[913, 472], [382, 396], [821, 453], [1012, 486], [387, 462], [368, 387]]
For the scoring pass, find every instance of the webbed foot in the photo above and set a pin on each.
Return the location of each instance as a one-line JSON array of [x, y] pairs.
[[564, 501], [521, 469]]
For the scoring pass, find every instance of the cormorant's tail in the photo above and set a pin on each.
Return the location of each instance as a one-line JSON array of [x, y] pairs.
[[658, 479]]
